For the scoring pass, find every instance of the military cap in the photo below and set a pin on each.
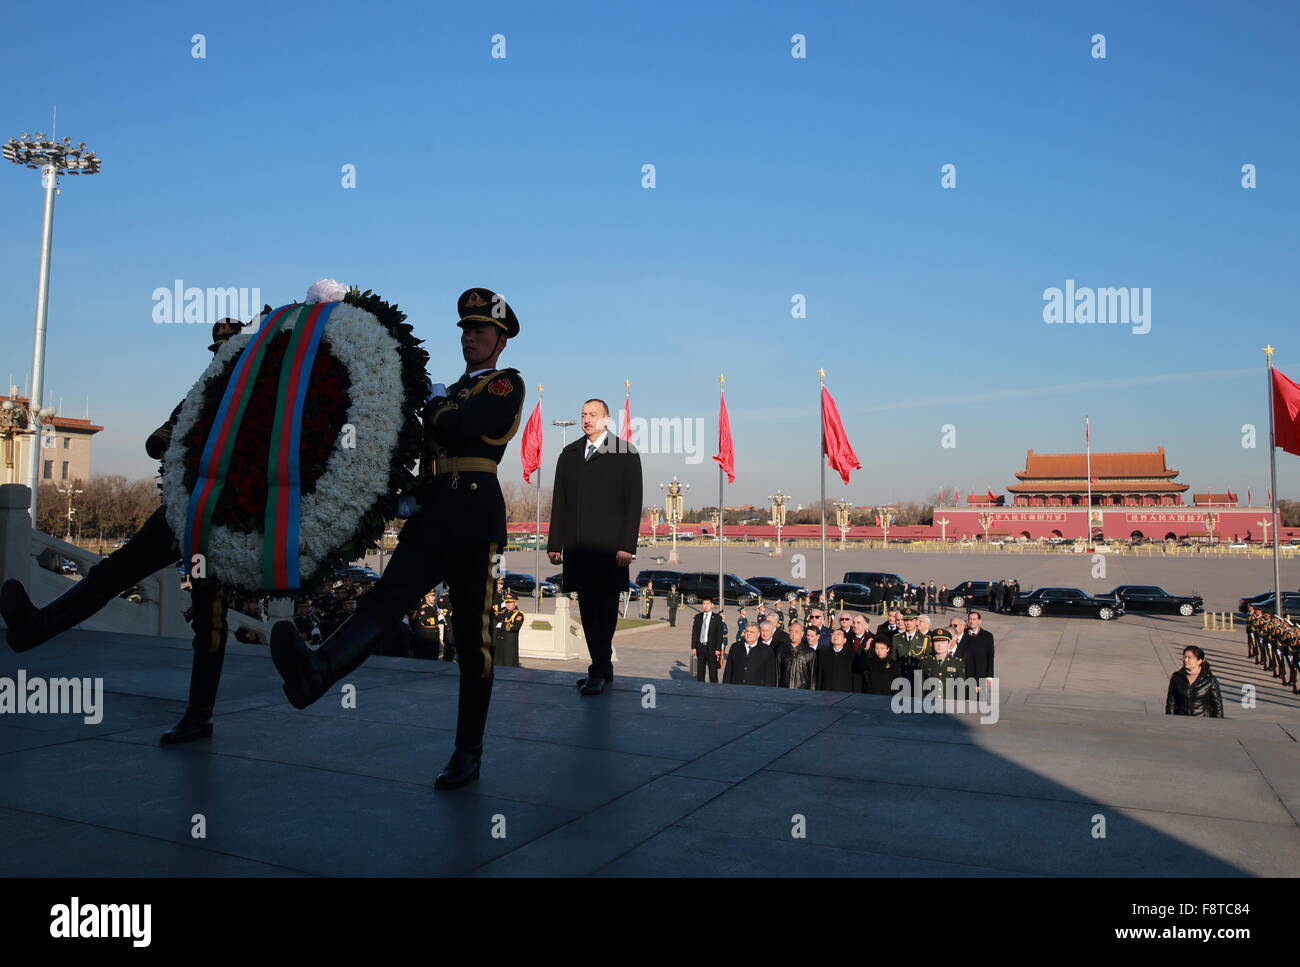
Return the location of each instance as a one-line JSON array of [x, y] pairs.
[[940, 634], [222, 330], [483, 305], [909, 613], [509, 596]]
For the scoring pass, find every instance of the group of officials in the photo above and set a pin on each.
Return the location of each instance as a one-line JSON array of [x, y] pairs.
[[849, 658]]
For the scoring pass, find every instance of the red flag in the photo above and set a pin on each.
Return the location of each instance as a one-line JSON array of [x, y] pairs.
[[1286, 414], [835, 442], [1232, 497], [531, 446], [726, 455], [625, 432], [1087, 433], [1249, 499], [992, 497]]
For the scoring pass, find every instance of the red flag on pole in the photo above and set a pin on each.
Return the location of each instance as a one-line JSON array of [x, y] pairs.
[[625, 432], [1286, 414], [835, 442], [726, 455], [531, 446], [1249, 499], [992, 497]]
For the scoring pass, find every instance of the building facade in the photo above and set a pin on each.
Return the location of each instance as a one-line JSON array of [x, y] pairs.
[[65, 450]]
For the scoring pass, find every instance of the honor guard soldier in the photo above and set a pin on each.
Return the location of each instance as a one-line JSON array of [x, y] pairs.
[[426, 627], [456, 536], [506, 628], [647, 600], [1252, 623], [939, 664], [674, 602], [445, 631], [152, 548], [910, 646]]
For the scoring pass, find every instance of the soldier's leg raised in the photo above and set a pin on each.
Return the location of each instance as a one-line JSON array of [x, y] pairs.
[[471, 577], [210, 606], [310, 674], [153, 547]]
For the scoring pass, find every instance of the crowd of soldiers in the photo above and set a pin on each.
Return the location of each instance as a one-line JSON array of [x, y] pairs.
[[1273, 643]]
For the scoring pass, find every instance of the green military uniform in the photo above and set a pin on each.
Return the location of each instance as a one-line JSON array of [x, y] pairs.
[[674, 602], [951, 667], [909, 650], [505, 635]]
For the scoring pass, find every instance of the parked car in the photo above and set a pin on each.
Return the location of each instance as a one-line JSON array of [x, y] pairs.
[[358, 573], [1149, 599], [969, 593], [774, 589], [67, 566], [857, 595], [1265, 601], [695, 586], [1066, 602], [871, 577], [525, 584], [661, 581]]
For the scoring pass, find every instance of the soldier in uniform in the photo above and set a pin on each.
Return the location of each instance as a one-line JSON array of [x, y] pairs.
[[674, 602], [941, 665], [506, 628], [910, 646], [1252, 624], [456, 536], [428, 643], [445, 629], [647, 600], [152, 548]]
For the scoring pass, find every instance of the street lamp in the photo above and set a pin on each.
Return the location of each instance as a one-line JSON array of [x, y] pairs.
[[1211, 521], [70, 493], [564, 430], [884, 518], [842, 508], [985, 520], [778, 501], [52, 158], [673, 492], [1266, 524], [655, 514], [943, 524]]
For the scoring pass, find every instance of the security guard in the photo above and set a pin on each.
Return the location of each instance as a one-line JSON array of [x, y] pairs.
[[456, 536], [506, 628], [674, 602], [152, 548]]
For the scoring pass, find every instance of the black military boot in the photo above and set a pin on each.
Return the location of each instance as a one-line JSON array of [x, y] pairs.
[[205, 676], [310, 674], [30, 626], [471, 719]]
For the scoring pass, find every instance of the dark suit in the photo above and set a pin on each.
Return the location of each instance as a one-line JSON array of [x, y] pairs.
[[707, 654], [595, 512], [756, 668], [977, 649]]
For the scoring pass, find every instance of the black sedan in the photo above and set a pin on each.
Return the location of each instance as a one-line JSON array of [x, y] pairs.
[[1265, 602], [969, 593], [857, 595], [357, 573], [1153, 600], [1066, 602], [525, 584], [774, 589], [556, 583]]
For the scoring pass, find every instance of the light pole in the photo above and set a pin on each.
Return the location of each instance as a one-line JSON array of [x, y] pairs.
[[842, 508], [673, 492], [943, 525], [1266, 524], [1211, 521], [564, 430], [70, 493], [985, 520], [884, 517], [655, 514], [52, 158], [778, 501]]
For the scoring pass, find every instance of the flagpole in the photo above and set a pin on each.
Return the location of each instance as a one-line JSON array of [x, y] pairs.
[[537, 533], [821, 384], [1087, 440], [1272, 479], [722, 598]]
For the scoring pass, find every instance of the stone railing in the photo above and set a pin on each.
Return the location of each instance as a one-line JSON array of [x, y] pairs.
[[163, 602]]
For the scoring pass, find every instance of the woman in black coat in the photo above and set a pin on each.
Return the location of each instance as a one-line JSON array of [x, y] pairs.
[[1193, 689], [878, 669]]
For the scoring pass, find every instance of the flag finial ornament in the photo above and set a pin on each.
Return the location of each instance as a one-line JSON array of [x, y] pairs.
[[1268, 351]]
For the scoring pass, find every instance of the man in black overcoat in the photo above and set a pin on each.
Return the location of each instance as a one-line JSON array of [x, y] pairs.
[[595, 516], [750, 662]]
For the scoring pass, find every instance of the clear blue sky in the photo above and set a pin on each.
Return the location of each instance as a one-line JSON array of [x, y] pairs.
[[776, 176]]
